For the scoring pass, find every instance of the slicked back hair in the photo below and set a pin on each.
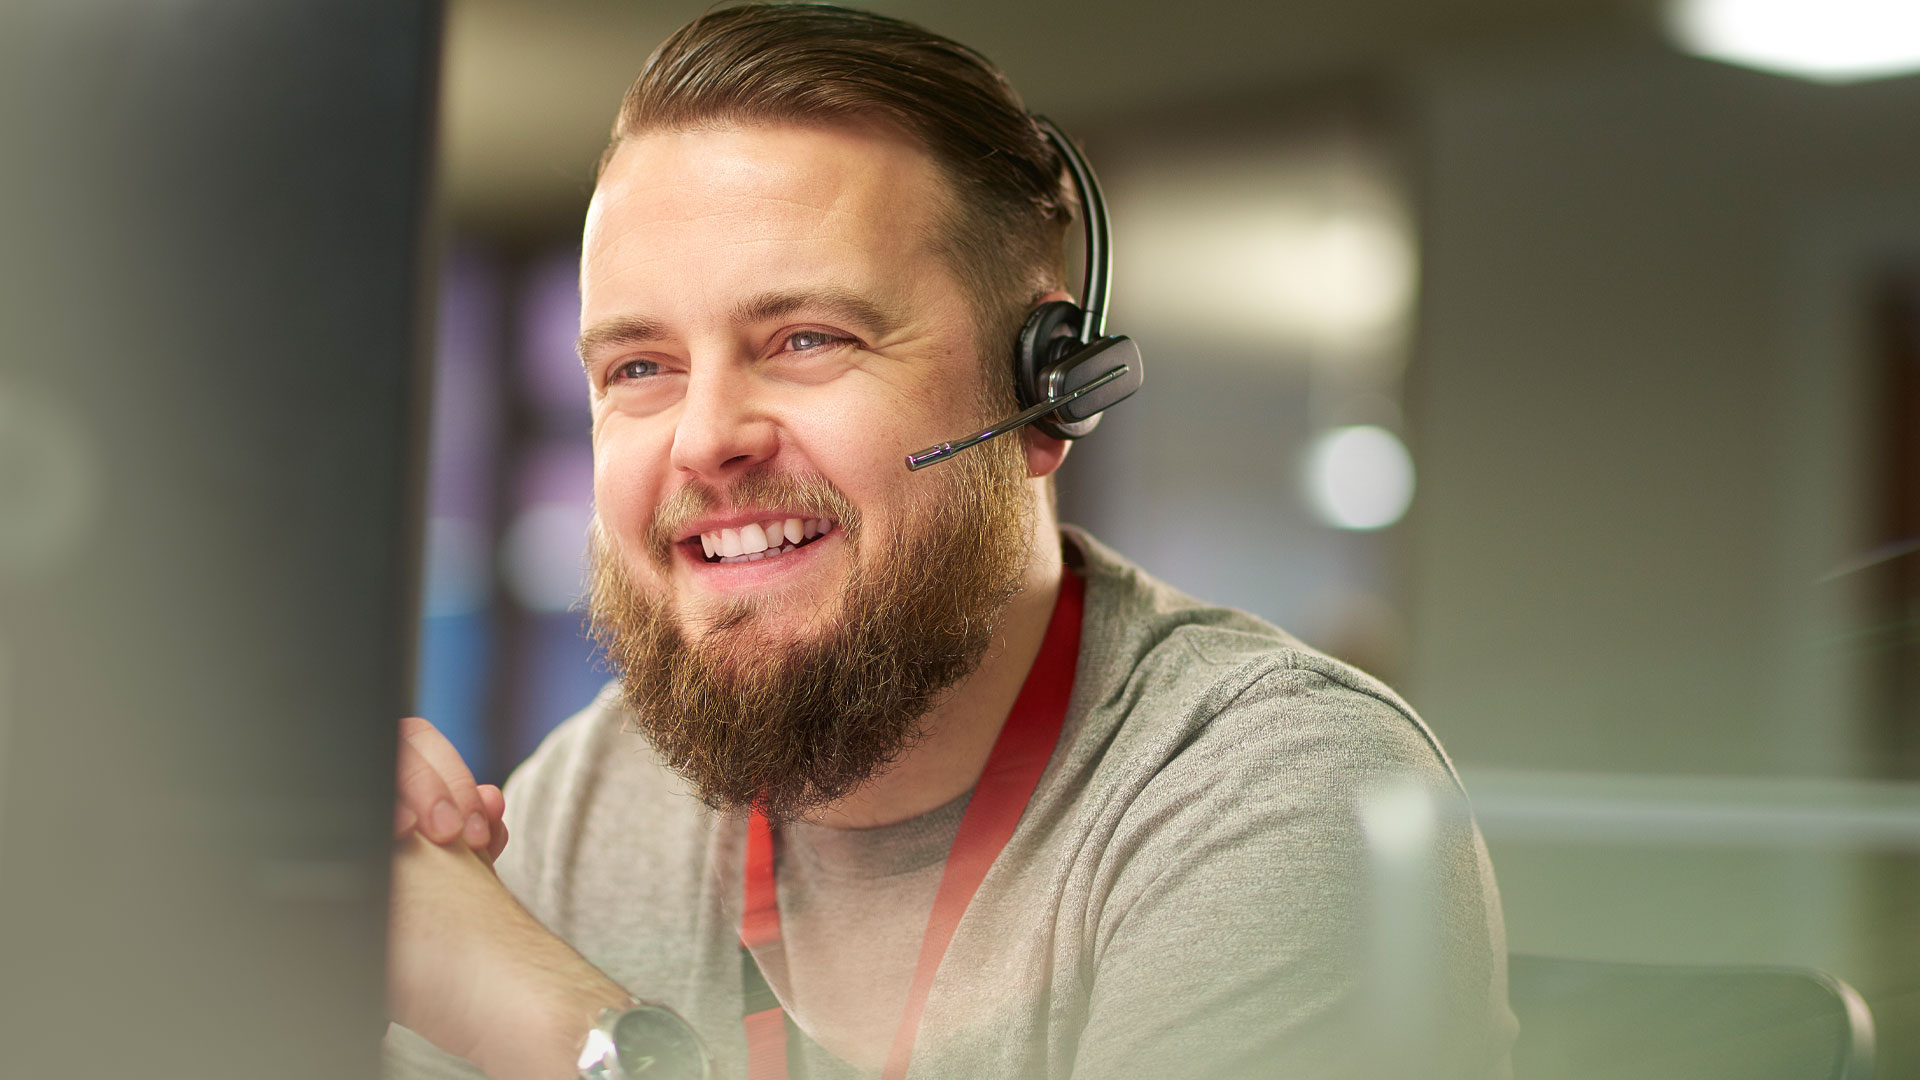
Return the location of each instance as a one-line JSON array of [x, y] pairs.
[[1003, 235]]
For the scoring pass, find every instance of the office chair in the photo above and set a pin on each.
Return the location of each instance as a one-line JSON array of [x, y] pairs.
[[1600, 1020]]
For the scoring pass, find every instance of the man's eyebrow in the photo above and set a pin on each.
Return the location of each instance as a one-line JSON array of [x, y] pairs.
[[842, 304], [620, 330]]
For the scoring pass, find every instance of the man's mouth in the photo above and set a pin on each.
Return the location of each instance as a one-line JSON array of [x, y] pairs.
[[758, 540]]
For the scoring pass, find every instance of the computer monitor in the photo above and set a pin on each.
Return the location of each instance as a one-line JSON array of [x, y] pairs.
[[211, 386]]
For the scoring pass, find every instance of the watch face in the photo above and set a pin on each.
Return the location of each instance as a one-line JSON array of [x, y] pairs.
[[656, 1044]]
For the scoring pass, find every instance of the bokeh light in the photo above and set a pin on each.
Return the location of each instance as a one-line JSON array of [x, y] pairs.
[[1359, 477]]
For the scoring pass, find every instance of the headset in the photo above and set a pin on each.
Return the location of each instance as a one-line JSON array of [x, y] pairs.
[[1067, 371]]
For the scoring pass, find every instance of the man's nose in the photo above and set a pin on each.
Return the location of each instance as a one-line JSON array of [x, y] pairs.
[[723, 429]]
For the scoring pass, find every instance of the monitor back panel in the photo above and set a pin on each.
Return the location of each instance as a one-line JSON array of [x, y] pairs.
[[210, 372]]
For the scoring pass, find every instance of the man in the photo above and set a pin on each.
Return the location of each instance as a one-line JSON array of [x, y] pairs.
[[980, 798]]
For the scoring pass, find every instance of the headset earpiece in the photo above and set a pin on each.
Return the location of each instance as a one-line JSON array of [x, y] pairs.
[[1050, 362], [1048, 332]]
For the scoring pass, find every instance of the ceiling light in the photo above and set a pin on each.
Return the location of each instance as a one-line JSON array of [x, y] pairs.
[[1831, 41]]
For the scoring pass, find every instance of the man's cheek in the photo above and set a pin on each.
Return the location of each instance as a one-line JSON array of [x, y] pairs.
[[624, 497]]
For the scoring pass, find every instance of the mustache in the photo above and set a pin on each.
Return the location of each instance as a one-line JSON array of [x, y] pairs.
[[810, 495]]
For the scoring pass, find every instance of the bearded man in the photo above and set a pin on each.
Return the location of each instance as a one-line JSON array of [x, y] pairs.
[[899, 778]]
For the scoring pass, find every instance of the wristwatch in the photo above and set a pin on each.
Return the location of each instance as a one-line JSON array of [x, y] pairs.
[[643, 1041]]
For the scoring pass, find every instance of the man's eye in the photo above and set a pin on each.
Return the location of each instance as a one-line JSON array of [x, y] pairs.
[[634, 369], [803, 340]]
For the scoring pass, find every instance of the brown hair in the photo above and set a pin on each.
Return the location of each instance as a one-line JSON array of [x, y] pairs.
[[774, 63]]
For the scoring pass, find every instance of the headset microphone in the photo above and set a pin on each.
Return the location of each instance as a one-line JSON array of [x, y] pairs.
[[1066, 370]]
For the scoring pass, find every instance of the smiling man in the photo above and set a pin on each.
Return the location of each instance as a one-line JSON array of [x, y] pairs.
[[899, 778], [763, 559]]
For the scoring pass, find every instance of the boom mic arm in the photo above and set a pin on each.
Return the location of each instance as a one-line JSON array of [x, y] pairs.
[[933, 455]]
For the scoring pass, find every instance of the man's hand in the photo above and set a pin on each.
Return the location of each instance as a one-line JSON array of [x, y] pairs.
[[469, 968], [437, 796]]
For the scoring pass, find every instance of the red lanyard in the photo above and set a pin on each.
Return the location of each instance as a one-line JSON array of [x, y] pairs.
[[1013, 769]]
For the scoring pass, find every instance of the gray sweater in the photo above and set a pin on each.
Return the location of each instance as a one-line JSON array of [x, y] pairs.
[[1244, 859]]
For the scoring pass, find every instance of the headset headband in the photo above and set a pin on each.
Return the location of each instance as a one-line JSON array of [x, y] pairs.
[[1093, 218]]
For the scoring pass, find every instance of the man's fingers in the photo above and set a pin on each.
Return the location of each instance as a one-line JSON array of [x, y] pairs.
[[434, 783], [495, 805], [419, 788]]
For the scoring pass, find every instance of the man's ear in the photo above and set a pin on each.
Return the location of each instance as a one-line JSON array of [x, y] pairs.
[[1044, 452]]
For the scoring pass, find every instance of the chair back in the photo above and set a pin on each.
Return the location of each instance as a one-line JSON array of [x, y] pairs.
[[1602, 1020]]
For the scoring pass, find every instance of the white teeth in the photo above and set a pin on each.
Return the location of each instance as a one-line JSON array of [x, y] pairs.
[[762, 539]]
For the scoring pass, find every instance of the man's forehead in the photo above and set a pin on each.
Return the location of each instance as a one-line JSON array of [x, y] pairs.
[[744, 210], [870, 173]]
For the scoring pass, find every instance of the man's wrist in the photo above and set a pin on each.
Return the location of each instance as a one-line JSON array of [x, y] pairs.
[[574, 1020], [544, 1041]]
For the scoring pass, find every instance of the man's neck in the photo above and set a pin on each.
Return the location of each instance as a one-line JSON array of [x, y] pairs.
[[960, 732]]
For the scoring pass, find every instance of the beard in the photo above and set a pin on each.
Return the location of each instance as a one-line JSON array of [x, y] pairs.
[[752, 716]]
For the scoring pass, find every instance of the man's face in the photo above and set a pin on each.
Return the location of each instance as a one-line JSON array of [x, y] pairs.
[[766, 299], [768, 330]]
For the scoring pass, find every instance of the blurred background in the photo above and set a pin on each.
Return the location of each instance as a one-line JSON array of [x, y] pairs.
[[1557, 362]]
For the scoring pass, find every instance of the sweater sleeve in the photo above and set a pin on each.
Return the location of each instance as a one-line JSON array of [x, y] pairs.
[[406, 1056]]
